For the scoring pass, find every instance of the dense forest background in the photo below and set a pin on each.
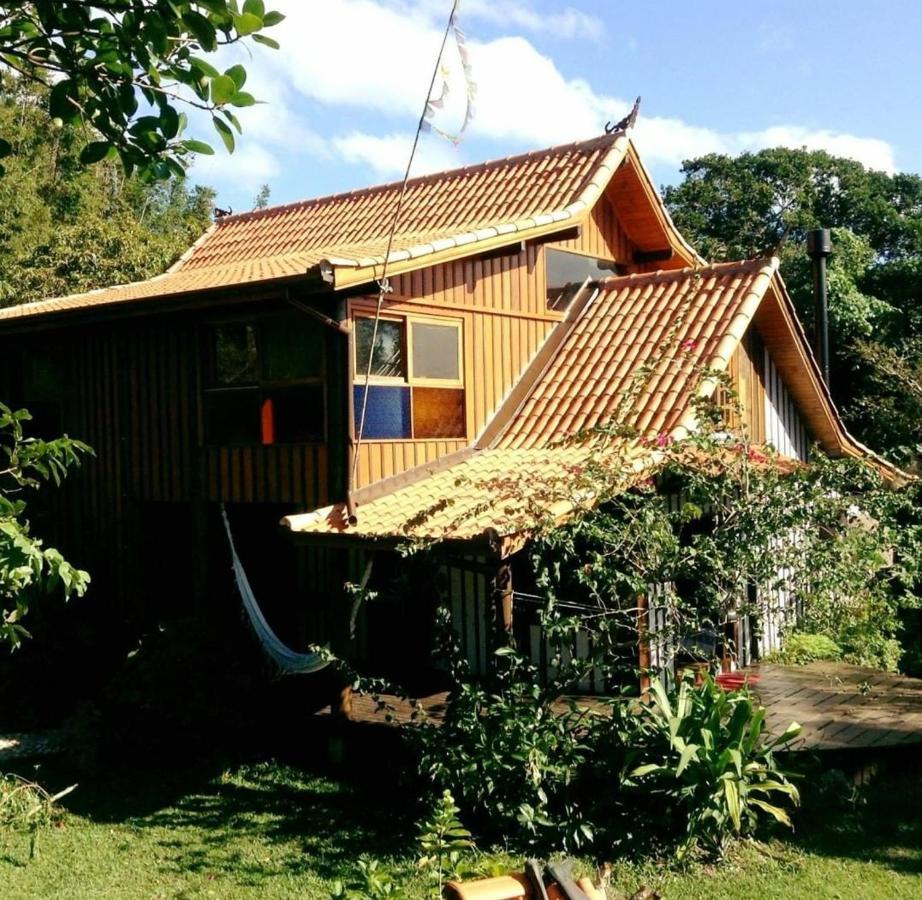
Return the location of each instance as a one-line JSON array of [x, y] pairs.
[[67, 227]]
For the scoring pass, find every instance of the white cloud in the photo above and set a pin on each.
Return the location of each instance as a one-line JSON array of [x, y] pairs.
[[565, 23], [381, 60], [387, 155]]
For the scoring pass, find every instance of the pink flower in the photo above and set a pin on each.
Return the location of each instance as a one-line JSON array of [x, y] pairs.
[[663, 440], [688, 345]]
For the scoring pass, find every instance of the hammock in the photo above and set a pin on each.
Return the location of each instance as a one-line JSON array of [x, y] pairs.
[[288, 661]]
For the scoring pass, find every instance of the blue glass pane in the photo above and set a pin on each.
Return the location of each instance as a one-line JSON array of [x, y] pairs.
[[388, 413]]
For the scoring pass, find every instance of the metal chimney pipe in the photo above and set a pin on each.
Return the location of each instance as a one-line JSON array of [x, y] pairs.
[[819, 246]]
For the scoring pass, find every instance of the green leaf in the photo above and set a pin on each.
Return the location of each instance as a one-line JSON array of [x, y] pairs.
[[222, 89], [94, 152], [688, 754], [226, 134], [247, 23], [194, 146], [779, 814], [60, 103], [242, 98], [732, 795], [206, 68], [255, 7], [239, 74], [272, 18], [268, 41]]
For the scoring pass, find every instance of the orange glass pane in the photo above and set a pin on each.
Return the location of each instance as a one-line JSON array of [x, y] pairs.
[[438, 413]]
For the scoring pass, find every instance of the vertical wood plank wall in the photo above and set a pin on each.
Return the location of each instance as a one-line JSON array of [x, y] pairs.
[[503, 305], [784, 428]]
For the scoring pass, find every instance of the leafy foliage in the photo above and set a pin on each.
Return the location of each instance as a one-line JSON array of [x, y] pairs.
[[66, 228], [371, 882], [27, 567], [801, 647], [765, 202], [443, 840], [705, 758], [126, 68], [27, 808]]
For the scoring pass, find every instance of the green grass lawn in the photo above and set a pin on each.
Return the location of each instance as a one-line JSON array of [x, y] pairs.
[[270, 831]]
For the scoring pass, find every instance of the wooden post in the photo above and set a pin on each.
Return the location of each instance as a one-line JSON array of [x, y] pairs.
[[643, 646]]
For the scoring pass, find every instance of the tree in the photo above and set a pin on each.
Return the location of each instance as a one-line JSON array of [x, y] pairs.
[[66, 227], [761, 203], [126, 69], [27, 567]]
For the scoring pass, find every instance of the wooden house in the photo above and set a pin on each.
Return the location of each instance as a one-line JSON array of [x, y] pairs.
[[238, 377]]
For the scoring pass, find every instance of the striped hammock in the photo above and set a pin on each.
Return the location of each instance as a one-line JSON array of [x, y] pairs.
[[287, 660]]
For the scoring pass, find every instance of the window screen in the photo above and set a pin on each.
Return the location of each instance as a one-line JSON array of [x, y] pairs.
[[566, 273], [436, 351], [389, 359]]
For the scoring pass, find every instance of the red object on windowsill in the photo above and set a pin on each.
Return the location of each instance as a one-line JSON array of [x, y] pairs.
[[733, 681]]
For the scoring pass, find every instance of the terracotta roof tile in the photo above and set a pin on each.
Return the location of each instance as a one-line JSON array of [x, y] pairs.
[[350, 231], [671, 321]]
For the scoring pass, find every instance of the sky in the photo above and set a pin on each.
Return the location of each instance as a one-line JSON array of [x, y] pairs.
[[344, 93]]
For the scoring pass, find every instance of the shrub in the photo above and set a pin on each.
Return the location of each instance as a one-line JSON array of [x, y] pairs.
[[705, 757], [801, 648]]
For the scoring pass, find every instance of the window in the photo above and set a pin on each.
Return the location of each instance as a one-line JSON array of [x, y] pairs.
[[44, 381], [566, 272], [415, 389], [265, 382]]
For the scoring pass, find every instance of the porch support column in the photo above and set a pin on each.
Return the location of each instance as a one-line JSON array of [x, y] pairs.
[[502, 604]]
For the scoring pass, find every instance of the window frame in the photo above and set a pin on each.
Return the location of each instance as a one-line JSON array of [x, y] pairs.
[[616, 269], [263, 387], [408, 318]]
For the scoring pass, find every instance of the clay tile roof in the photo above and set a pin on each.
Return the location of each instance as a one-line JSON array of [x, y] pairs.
[[672, 323], [631, 356], [517, 196]]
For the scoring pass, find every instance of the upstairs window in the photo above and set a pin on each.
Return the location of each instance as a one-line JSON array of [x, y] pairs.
[[44, 385], [566, 272], [415, 388], [265, 382]]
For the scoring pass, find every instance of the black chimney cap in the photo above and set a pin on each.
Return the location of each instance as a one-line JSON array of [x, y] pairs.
[[819, 242]]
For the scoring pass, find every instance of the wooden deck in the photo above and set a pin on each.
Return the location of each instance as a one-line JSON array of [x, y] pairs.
[[839, 706]]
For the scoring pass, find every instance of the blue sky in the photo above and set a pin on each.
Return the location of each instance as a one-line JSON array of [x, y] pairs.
[[344, 92]]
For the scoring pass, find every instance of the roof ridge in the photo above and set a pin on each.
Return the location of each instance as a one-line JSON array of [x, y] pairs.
[[600, 140]]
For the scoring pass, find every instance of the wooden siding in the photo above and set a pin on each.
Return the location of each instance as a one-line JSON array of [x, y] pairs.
[[784, 428], [503, 305]]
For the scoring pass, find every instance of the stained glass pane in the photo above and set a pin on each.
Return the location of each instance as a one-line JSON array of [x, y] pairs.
[[435, 351], [389, 358], [234, 355], [566, 273], [438, 413], [388, 412], [292, 348]]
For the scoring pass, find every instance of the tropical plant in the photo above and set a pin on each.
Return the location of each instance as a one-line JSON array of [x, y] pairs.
[[27, 808], [126, 69], [706, 759], [27, 567]]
